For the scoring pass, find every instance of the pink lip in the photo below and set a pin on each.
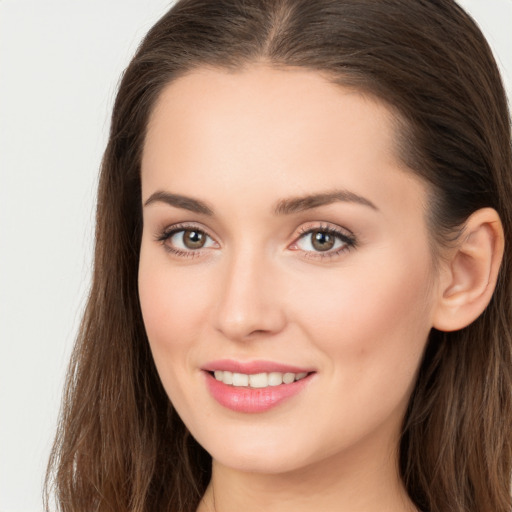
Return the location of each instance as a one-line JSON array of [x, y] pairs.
[[252, 367], [253, 400]]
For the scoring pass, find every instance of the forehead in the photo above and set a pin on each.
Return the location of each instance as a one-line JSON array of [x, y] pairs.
[[269, 106], [272, 132]]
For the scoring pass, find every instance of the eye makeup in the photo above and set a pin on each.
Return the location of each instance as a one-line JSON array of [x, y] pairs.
[[323, 241], [186, 240], [313, 240]]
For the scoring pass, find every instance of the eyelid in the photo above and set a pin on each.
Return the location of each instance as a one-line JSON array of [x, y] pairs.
[[345, 235], [329, 227], [170, 229], [165, 234]]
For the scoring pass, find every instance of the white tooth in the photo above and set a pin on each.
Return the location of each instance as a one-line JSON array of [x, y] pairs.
[[288, 378], [275, 379], [258, 380], [240, 379]]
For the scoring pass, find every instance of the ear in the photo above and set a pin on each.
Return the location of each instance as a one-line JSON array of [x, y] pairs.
[[468, 280]]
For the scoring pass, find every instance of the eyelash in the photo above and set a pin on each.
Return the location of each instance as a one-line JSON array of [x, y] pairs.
[[173, 230], [348, 240]]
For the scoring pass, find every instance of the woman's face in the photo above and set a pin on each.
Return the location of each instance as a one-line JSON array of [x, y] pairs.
[[283, 240]]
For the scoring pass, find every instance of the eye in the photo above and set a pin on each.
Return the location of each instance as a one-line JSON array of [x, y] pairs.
[[326, 240], [185, 240], [189, 239]]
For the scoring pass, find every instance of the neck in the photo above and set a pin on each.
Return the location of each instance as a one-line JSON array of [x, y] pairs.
[[342, 483]]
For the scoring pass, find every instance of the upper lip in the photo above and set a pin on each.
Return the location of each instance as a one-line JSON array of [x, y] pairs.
[[252, 367]]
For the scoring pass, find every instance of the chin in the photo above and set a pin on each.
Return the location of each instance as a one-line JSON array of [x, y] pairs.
[[262, 462], [259, 454]]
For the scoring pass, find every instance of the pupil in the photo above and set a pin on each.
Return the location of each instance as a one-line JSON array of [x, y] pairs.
[[193, 239], [322, 241]]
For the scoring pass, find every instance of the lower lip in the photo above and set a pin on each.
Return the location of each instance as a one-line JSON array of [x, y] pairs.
[[253, 400]]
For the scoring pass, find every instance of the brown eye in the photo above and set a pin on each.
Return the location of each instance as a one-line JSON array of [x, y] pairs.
[[193, 239], [322, 241], [189, 240]]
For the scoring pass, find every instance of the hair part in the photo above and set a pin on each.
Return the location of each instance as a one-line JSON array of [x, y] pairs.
[[121, 445]]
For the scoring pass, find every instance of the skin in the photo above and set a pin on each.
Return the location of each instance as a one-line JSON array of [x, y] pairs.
[[259, 290]]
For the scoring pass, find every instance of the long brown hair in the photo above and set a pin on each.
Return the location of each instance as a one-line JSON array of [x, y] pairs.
[[120, 445]]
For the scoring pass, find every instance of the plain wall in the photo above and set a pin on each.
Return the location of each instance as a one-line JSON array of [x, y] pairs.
[[60, 61]]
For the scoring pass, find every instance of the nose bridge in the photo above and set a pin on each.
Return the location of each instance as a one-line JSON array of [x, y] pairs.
[[248, 302]]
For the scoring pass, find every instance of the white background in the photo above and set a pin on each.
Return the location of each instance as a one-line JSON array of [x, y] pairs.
[[60, 61]]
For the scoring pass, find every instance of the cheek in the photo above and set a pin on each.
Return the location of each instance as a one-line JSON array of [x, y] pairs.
[[371, 328], [374, 319], [174, 313], [174, 308]]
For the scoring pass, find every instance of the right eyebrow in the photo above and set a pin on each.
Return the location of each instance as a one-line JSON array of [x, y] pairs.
[[308, 202], [179, 201]]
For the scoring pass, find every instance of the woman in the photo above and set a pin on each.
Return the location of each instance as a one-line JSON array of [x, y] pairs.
[[301, 296]]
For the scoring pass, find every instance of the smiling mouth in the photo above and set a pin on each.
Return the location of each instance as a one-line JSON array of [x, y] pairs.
[[245, 388], [257, 380]]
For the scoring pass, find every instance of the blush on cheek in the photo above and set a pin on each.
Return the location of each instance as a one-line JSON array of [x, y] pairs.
[[173, 305], [369, 313]]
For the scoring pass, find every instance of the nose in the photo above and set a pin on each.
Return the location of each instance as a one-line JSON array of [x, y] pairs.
[[249, 304]]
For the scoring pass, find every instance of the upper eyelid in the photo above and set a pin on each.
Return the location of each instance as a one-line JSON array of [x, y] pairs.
[[183, 226], [304, 229], [326, 226], [345, 236], [311, 226]]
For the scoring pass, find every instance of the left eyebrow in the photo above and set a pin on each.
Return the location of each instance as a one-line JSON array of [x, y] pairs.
[[308, 202], [179, 201]]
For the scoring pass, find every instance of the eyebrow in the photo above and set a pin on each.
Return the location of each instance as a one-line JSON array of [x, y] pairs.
[[283, 207], [308, 202], [179, 201]]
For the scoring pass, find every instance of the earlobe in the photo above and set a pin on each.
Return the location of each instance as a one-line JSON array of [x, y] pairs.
[[471, 272]]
